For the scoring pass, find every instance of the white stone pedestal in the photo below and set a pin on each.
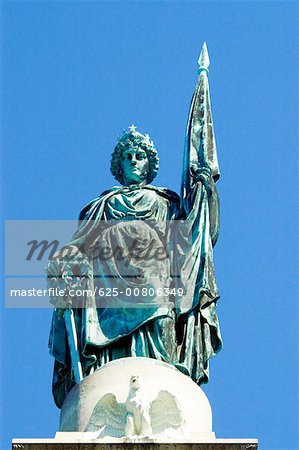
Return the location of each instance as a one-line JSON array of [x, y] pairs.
[[155, 376], [196, 433]]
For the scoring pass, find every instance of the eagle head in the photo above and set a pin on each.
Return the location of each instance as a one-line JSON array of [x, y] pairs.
[[134, 382]]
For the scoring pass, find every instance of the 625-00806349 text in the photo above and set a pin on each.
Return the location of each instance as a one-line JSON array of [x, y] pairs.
[[101, 292]]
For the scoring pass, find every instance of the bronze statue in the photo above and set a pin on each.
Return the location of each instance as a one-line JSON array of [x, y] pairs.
[[142, 304]]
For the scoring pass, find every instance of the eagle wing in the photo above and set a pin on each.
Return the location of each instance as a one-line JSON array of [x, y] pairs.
[[165, 413], [108, 417]]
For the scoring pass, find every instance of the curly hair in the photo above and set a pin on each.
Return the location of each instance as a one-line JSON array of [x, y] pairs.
[[136, 140]]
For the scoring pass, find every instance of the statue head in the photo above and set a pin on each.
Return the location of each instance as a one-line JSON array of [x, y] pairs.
[[134, 159]]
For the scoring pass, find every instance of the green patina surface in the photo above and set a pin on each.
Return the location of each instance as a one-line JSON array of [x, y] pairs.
[[183, 329]]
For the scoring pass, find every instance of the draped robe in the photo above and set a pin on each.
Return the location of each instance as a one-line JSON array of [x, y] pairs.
[[180, 330]]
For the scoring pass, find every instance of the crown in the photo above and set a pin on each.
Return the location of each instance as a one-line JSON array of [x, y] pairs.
[[132, 136]]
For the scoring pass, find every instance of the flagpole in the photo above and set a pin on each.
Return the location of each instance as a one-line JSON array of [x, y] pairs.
[[73, 344], [200, 144]]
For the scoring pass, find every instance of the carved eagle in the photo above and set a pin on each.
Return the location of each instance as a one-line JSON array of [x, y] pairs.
[[137, 416]]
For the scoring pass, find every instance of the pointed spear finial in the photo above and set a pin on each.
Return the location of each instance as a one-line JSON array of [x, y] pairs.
[[204, 60]]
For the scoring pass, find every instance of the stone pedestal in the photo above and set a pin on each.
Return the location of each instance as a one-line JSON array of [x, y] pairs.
[[154, 377], [193, 432]]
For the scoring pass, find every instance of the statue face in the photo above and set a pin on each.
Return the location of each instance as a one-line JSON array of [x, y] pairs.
[[135, 166]]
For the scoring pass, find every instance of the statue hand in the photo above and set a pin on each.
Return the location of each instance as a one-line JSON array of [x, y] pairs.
[[61, 303], [204, 176]]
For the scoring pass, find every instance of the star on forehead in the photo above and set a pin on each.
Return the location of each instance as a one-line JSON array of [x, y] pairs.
[[132, 128]]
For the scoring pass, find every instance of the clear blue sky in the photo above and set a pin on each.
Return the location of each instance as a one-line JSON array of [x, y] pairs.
[[74, 74]]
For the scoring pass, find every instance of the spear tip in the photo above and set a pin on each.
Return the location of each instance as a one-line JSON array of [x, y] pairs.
[[204, 60]]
